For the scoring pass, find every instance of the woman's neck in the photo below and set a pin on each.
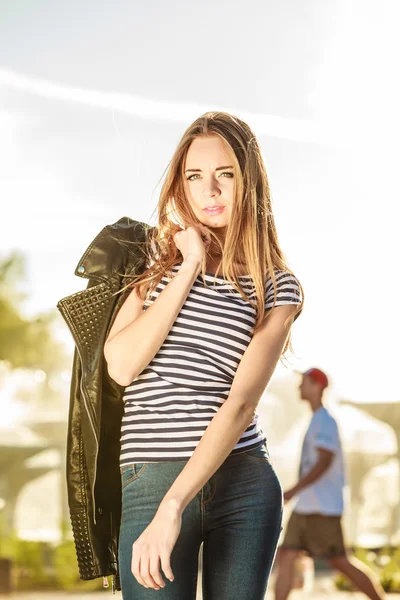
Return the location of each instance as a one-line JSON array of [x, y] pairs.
[[213, 262], [214, 255]]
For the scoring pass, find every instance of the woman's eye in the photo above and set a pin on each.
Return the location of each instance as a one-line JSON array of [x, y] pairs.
[[190, 178]]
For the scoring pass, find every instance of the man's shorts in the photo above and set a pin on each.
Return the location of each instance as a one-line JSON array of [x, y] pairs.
[[318, 535]]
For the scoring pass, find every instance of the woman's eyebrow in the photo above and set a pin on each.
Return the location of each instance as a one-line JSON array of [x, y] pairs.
[[218, 169]]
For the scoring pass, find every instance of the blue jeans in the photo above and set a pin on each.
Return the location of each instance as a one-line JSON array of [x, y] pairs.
[[237, 515]]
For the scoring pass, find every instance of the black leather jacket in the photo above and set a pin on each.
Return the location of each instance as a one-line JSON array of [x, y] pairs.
[[96, 408]]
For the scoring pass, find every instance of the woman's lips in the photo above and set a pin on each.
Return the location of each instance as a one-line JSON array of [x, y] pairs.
[[213, 210]]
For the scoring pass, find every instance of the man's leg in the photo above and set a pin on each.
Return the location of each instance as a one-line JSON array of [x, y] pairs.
[[285, 573], [358, 576]]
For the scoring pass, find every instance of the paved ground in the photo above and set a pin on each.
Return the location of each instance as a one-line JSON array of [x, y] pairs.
[[296, 595], [323, 590]]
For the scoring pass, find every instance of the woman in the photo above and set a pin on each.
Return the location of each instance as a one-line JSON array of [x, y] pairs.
[[208, 320]]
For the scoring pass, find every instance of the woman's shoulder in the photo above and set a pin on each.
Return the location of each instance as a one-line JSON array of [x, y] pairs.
[[282, 277], [285, 290]]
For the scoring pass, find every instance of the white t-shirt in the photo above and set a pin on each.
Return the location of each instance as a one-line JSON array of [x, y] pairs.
[[325, 495]]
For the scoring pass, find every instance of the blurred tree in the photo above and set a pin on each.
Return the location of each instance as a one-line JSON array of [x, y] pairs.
[[31, 366], [25, 343]]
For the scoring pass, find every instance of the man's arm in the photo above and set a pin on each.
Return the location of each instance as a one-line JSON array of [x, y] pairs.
[[323, 463]]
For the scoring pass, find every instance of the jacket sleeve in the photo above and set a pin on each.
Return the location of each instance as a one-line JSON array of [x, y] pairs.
[[79, 497]]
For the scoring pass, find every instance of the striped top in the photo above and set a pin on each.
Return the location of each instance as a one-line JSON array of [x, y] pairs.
[[170, 403]]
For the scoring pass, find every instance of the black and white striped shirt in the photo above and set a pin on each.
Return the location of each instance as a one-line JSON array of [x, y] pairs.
[[172, 401]]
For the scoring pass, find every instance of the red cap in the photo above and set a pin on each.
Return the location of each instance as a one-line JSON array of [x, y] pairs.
[[318, 376]]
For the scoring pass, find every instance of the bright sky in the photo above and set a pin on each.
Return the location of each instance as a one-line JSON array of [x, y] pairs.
[[93, 103]]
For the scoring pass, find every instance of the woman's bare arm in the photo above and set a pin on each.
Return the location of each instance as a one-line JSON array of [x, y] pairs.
[[222, 434], [235, 415], [137, 335]]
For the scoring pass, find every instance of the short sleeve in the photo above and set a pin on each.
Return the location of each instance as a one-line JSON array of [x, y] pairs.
[[327, 434], [287, 290]]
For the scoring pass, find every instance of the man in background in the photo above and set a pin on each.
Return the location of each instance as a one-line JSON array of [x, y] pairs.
[[315, 524]]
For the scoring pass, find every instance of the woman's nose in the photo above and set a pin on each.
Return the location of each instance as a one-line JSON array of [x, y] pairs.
[[210, 189]]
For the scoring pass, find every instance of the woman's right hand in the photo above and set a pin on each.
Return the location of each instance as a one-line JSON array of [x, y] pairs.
[[191, 245]]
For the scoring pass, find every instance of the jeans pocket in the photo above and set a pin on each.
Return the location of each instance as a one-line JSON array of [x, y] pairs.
[[132, 472], [258, 454]]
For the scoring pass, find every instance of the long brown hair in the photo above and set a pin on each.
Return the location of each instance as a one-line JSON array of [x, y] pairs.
[[251, 238]]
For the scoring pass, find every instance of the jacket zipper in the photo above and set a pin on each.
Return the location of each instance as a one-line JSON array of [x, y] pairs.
[[90, 420]]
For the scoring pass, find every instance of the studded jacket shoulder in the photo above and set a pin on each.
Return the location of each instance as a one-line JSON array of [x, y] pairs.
[[95, 411]]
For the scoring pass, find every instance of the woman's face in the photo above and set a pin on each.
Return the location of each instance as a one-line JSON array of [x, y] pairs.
[[209, 181]]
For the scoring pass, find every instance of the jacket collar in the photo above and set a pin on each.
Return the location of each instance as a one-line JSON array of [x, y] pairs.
[[113, 249]]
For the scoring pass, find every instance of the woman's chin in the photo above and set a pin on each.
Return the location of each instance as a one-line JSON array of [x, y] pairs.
[[218, 227], [214, 223]]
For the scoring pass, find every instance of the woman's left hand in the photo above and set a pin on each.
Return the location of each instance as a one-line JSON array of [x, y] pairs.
[[154, 546]]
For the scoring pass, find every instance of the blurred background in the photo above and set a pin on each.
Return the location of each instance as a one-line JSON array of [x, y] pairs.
[[93, 100]]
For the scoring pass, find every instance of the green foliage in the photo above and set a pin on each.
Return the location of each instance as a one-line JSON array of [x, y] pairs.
[[12, 269], [24, 343], [343, 584], [43, 566], [8, 543], [390, 575], [65, 565], [31, 564], [385, 563]]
